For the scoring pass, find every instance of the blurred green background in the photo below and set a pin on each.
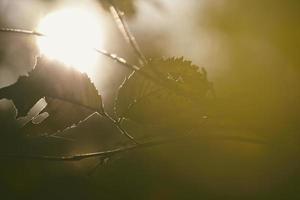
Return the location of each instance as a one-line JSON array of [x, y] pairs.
[[250, 50]]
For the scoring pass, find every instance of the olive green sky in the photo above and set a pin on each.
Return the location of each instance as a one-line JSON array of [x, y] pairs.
[[250, 49]]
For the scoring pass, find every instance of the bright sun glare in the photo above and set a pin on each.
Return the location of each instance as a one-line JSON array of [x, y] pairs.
[[71, 36]]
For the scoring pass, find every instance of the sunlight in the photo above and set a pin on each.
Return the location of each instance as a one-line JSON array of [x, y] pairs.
[[71, 36]]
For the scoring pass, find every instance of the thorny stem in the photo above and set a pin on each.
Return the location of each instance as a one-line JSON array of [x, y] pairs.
[[124, 29]]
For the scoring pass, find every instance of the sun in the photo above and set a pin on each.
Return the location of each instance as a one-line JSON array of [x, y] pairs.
[[71, 36]]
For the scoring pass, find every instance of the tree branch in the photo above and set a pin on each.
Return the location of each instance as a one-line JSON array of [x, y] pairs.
[[109, 153], [114, 57]]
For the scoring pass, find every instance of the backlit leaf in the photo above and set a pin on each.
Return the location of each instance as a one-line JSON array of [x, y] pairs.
[[70, 94], [174, 109]]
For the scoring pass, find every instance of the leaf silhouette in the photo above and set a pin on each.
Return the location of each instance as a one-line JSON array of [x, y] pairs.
[[62, 114], [70, 95], [151, 104]]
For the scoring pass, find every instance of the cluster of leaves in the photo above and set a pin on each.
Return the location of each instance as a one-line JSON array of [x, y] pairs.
[[164, 95]]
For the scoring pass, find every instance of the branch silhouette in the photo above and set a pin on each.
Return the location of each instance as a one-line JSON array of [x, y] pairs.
[[112, 152], [111, 56]]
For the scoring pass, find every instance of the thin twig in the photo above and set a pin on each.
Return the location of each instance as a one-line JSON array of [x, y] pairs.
[[123, 27], [114, 57], [118, 59], [124, 63], [123, 131], [109, 153], [135, 68], [21, 31], [57, 137], [77, 157]]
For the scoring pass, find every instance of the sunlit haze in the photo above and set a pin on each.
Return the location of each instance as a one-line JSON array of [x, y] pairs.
[[71, 35]]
